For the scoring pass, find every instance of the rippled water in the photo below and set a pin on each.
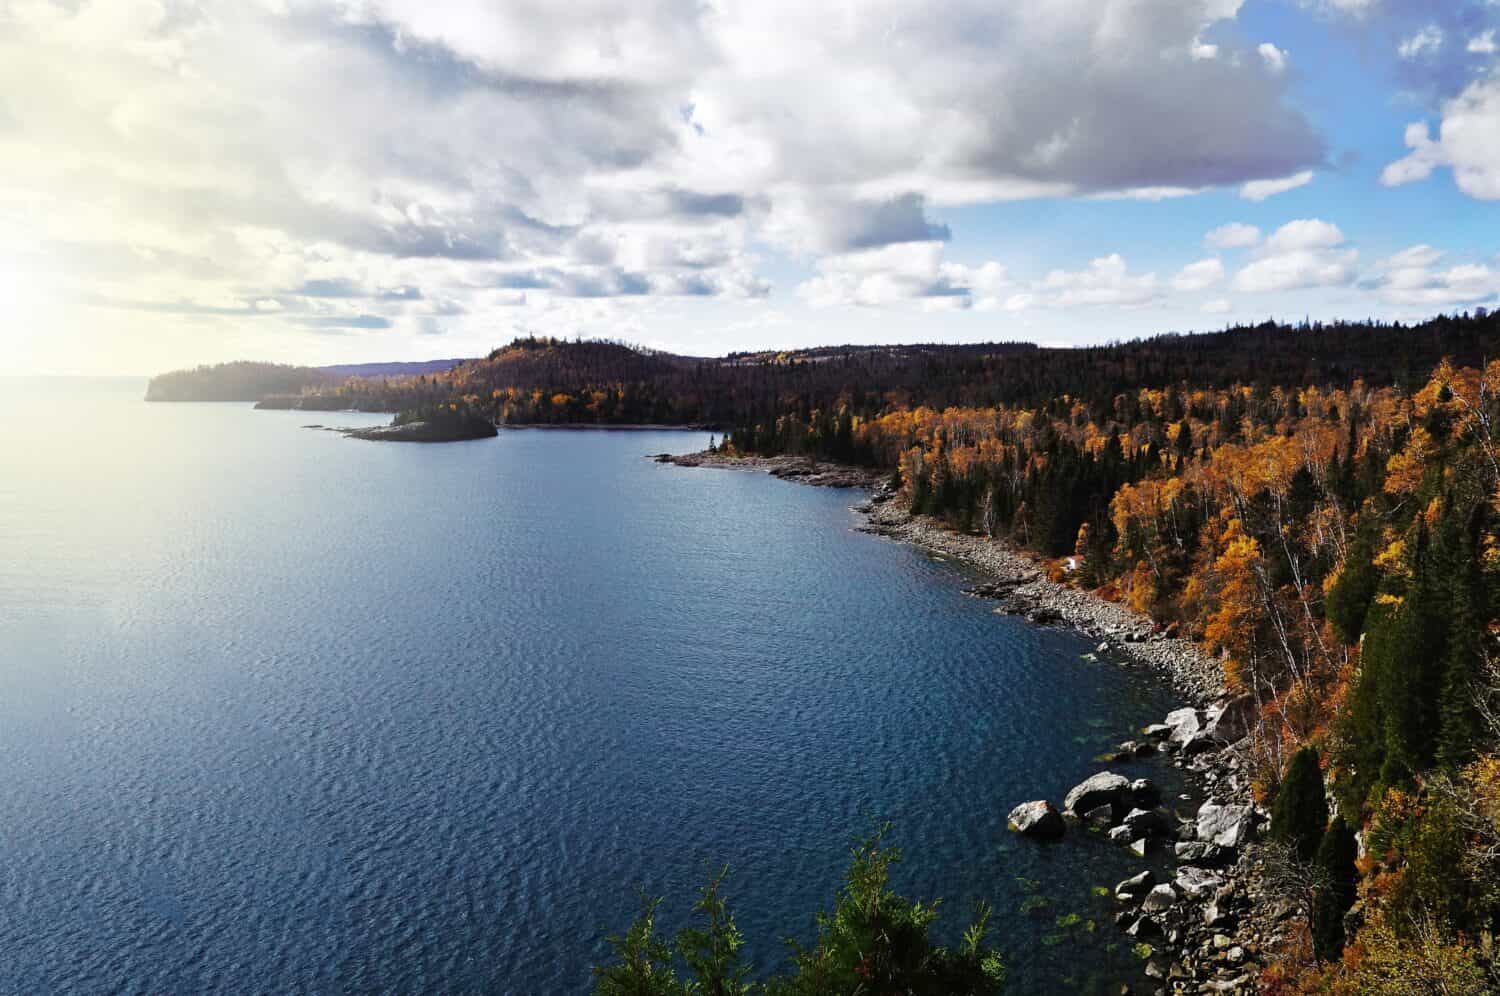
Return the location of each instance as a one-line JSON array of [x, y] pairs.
[[286, 712]]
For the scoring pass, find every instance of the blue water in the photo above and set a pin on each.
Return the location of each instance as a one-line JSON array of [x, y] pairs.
[[282, 711]]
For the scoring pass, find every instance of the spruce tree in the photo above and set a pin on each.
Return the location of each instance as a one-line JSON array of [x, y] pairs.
[[1301, 812], [1335, 859]]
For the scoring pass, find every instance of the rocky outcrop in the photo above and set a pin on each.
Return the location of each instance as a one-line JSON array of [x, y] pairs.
[[792, 468], [1038, 819]]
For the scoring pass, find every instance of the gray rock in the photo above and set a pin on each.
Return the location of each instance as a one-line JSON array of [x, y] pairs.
[[1159, 899], [1136, 884], [1225, 825], [1157, 731], [1197, 883], [1104, 789], [1038, 819], [1122, 834], [1145, 822], [1138, 847], [1184, 723], [1232, 719], [1144, 927], [1100, 815]]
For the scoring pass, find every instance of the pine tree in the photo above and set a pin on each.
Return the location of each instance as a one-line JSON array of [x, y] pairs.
[[1301, 812], [1335, 859]]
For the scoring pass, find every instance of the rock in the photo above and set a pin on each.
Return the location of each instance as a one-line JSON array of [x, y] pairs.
[[1038, 819], [1225, 825], [1215, 915], [1143, 928], [1144, 793], [1197, 883], [1138, 847], [1159, 899], [1136, 884], [1122, 835], [1196, 852], [1102, 648], [1100, 816], [1231, 719], [1155, 969], [1184, 723], [1104, 789], [1145, 822], [1235, 955], [1157, 731], [1222, 942], [1200, 743]]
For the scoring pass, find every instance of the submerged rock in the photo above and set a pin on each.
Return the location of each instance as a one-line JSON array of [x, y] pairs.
[[1038, 819]]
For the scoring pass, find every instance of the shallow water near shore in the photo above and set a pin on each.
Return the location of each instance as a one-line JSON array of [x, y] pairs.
[[284, 711]]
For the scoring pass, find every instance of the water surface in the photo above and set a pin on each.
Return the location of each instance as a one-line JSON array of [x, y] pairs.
[[286, 712]]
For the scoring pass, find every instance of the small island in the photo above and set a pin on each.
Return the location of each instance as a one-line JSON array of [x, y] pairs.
[[448, 423]]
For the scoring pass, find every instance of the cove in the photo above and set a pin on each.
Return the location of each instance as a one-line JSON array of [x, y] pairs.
[[285, 711]]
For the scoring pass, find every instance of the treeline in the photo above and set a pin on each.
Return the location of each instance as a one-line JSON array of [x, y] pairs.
[[551, 381], [238, 381]]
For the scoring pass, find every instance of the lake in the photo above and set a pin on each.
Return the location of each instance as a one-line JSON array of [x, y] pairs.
[[282, 711]]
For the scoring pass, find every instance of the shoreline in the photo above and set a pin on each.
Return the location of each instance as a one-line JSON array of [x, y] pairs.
[[1211, 927]]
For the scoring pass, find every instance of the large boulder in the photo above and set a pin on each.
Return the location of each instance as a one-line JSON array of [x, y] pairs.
[[1037, 819], [1231, 719], [1225, 825], [1104, 789], [1144, 793], [1184, 723]]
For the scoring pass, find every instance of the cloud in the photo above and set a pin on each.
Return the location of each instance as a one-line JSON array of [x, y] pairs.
[[1259, 190], [1218, 306], [1300, 254], [1199, 276], [1426, 42], [902, 273], [1235, 235], [1106, 281], [1483, 44], [1305, 233], [566, 157], [1275, 59], [1410, 278], [1468, 142]]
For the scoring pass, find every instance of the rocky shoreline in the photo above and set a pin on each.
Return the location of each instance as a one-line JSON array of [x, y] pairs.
[[1208, 929]]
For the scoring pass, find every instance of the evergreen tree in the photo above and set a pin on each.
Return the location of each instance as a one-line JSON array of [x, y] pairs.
[[1335, 859], [1301, 812], [1349, 599]]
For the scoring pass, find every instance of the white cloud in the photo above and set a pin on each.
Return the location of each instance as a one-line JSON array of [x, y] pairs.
[[1275, 59], [1218, 306], [1410, 278], [1468, 142], [1199, 276], [1305, 233], [1425, 42], [1106, 281], [1300, 254], [902, 273], [1483, 44], [1259, 190], [1235, 235]]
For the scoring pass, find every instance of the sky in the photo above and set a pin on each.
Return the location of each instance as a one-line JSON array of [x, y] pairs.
[[326, 181]]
